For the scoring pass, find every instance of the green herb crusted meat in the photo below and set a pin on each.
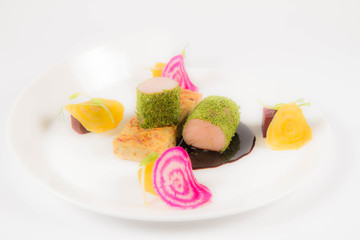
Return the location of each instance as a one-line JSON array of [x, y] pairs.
[[158, 108], [212, 124]]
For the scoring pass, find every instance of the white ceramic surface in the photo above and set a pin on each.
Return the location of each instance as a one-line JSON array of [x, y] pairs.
[[83, 169]]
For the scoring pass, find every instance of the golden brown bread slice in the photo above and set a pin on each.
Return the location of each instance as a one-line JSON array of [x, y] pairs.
[[188, 101], [135, 143]]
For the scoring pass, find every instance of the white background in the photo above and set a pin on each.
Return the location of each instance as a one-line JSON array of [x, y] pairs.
[[313, 46]]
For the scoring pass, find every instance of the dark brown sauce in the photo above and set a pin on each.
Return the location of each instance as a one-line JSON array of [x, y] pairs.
[[241, 145]]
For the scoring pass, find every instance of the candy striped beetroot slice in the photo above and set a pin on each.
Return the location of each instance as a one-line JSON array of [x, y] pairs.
[[175, 183], [175, 69]]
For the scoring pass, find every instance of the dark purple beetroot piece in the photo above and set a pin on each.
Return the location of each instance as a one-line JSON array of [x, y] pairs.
[[268, 115], [77, 126]]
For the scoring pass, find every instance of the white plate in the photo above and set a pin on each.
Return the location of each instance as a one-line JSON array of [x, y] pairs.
[[83, 169]]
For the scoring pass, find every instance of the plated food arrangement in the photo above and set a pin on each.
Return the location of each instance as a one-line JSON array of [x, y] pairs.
[[175, 130]]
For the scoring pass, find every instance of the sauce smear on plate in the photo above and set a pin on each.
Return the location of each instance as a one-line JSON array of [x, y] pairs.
[[242, 143]]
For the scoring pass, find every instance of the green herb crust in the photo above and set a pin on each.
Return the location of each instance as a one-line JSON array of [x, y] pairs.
[[220, 111], [158, 109]]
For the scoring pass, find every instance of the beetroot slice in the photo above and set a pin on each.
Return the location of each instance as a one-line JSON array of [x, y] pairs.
[[268, 115], [77, 126], [175, 183], [175, 69]]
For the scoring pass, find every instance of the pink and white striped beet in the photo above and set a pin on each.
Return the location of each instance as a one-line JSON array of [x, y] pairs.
[[175, 183], [175, 69]]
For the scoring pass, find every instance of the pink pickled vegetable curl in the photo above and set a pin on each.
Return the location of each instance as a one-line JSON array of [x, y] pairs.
[[175, 69], [175, 182]]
